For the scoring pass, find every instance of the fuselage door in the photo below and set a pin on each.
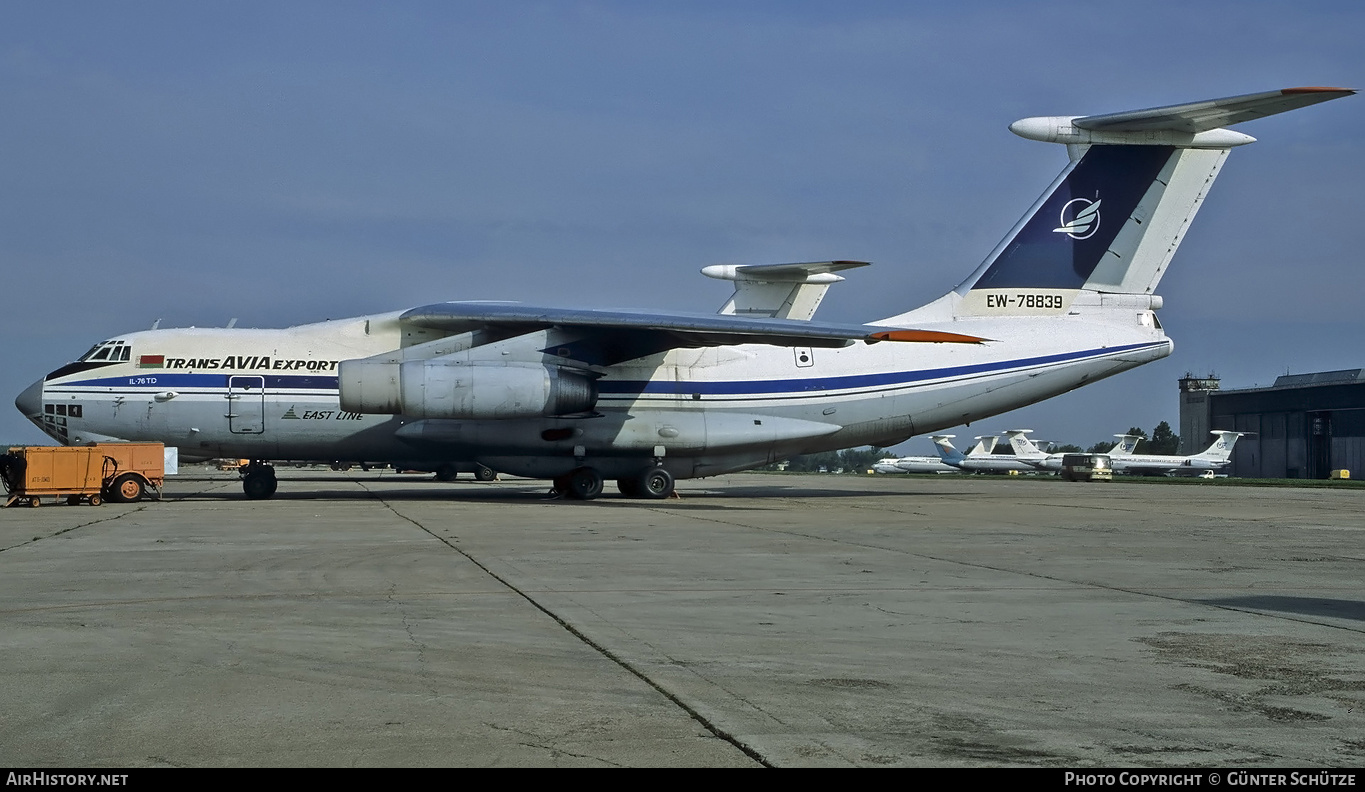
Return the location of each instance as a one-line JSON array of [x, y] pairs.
[[246, 405]]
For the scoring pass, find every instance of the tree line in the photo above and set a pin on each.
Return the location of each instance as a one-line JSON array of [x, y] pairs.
[[1163, 441]]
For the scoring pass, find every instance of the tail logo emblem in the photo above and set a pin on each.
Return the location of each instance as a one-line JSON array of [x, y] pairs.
[[1085, 218]]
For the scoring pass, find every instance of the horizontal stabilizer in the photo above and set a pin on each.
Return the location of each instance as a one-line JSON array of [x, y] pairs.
[[780, 273], [1196, 117]]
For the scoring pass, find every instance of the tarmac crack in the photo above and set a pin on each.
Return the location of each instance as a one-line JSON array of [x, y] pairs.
[[118, 516], [706, 723], [122, 514], [412, 636]]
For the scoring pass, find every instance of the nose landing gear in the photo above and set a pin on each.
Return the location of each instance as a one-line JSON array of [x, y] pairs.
[[258, 480]]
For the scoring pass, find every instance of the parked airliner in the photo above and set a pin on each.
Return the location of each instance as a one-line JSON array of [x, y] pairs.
[[931, 464], [1216, 457], [1123, 460], [646, 398], [984, 462], [1028, 452]]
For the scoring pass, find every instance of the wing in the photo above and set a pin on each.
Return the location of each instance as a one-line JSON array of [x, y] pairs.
[[1212, 114], [606, 337]]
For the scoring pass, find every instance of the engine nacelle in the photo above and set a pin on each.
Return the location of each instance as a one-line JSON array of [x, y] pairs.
[[441, 389]]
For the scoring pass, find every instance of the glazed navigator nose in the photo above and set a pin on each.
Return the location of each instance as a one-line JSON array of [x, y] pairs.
[[30, 402]]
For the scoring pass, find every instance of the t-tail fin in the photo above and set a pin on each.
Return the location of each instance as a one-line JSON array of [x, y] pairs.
[[1221, 449], [985, 445], [945, 449], [1109, 224], [1024, 448], [1126, 445], [1105, 230]]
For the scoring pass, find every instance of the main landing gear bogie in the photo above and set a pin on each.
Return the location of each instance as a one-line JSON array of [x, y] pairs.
[[586, 483]]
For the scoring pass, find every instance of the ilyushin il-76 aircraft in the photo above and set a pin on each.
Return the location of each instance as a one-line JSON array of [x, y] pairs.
[[646, 398]]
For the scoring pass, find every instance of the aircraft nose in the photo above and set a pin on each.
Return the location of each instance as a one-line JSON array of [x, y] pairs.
[[30, 402]]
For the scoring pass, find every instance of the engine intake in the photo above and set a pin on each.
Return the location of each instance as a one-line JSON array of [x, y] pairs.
[[442, 389]]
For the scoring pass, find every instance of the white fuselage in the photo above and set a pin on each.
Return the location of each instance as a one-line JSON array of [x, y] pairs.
[[1158, 463], [924, 464], [272, 394]]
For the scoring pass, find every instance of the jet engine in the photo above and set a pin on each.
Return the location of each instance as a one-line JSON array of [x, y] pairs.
[[444, 389]]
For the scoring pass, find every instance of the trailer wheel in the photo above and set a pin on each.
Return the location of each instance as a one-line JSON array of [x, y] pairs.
[[126, 489], [34, 502], [96, 500]]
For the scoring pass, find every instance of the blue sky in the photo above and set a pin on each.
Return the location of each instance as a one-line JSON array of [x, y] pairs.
[[288, 162]]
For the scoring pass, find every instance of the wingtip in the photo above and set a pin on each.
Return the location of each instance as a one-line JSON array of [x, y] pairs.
[[1317, 89]]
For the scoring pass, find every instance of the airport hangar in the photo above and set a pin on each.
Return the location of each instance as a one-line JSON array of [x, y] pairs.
[[1305, 425]]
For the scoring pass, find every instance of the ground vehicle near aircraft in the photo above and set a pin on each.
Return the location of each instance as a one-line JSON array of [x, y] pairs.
[[118, 472], [1087, 467], [579, 396], [1028, 452]]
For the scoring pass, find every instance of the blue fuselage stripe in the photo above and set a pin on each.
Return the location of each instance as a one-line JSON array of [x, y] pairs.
[[209, 381], [750, 387], [608, 387]]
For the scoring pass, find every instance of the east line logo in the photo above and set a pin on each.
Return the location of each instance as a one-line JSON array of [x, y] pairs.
[[320, 415], [237, 363]]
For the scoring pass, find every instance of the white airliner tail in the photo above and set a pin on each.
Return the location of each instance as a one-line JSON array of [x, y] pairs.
[[985, 445], [1024, 448], [1126, 445], [1221, 448]]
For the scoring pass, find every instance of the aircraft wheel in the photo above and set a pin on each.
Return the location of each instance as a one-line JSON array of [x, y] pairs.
[[656, 484], [629, 487], [126, 489], [585, 483], [485, 473], [446, 473], [260, 485]]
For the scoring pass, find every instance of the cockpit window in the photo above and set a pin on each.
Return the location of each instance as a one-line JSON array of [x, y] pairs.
[[108, 350]]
